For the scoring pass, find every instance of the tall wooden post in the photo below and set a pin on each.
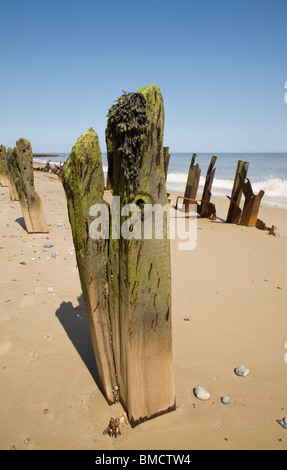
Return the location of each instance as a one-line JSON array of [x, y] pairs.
[[192, 183], [83, 181], [4, 178], [234, 212], [20, 167], [206, 208], [141, 286]]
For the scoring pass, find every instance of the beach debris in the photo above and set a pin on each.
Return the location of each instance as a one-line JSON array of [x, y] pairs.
[[20, 169], [139, 319], [241, 371], [114, 427], [201, 393], [247, 216], [51, 168], [234, 211], [226, 400], [204, 207], [282, 422], [207, 209], [192, 183]]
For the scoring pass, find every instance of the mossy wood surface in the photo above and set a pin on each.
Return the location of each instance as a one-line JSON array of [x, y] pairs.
[[83, 181], [20, 168], [4, 178], [141, 274]]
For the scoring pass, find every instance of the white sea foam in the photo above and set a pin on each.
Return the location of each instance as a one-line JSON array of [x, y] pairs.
[[275, 188]]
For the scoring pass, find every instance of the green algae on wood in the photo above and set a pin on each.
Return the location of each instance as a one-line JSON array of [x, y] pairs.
[[4, 178], [83, 181], [141, 287], [20, 169]]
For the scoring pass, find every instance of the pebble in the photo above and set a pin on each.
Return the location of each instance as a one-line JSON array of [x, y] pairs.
[[201, 394], [241, 371], [23, 263], [54, 255], [50, 290], [225, 400], [48, 245], [282, 422]]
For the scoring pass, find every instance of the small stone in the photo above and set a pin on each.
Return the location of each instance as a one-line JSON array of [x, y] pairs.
[[27, 440], [46, 411], [241, 371], [54, 255], [282, 422], [50, 290], [23, 263], [201, 394], [225, 400], [48, 245]]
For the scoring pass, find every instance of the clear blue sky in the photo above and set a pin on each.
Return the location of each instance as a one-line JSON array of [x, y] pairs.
[[221, 66]]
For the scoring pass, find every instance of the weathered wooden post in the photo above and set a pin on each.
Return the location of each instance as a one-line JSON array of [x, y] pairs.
[[20, 168], [83, 181], [12, 188], [141, 273], [251, 205], [207, 209], [234, 212], [166, 160], [192, 183], [4, 178]]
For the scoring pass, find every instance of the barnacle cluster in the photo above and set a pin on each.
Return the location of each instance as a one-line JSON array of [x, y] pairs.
[[126, 127]]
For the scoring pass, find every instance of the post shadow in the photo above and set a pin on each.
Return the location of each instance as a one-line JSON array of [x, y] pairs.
[[75, 323]]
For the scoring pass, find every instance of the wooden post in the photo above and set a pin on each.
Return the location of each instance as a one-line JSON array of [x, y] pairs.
[[206, 208], [166, 160], [4, 178], [251, 205], [141, 287], [234, 212], [83, 181], [20, 167], [12, 188], [192, 183]]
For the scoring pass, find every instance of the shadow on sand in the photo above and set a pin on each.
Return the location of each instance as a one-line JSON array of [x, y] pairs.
[[75, 323]]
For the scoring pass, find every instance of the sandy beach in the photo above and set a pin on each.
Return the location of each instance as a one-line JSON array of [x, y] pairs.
[[229, 298]]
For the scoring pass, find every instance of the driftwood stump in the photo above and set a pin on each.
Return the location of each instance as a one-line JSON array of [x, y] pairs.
[[20, 168], [141, 288], [4, 178]]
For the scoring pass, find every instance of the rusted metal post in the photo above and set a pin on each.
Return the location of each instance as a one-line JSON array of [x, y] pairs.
[[234, 212], [207, 209], [251, 205], [192, 183]]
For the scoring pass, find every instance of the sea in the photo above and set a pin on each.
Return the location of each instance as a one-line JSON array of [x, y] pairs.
[[267, 172]]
